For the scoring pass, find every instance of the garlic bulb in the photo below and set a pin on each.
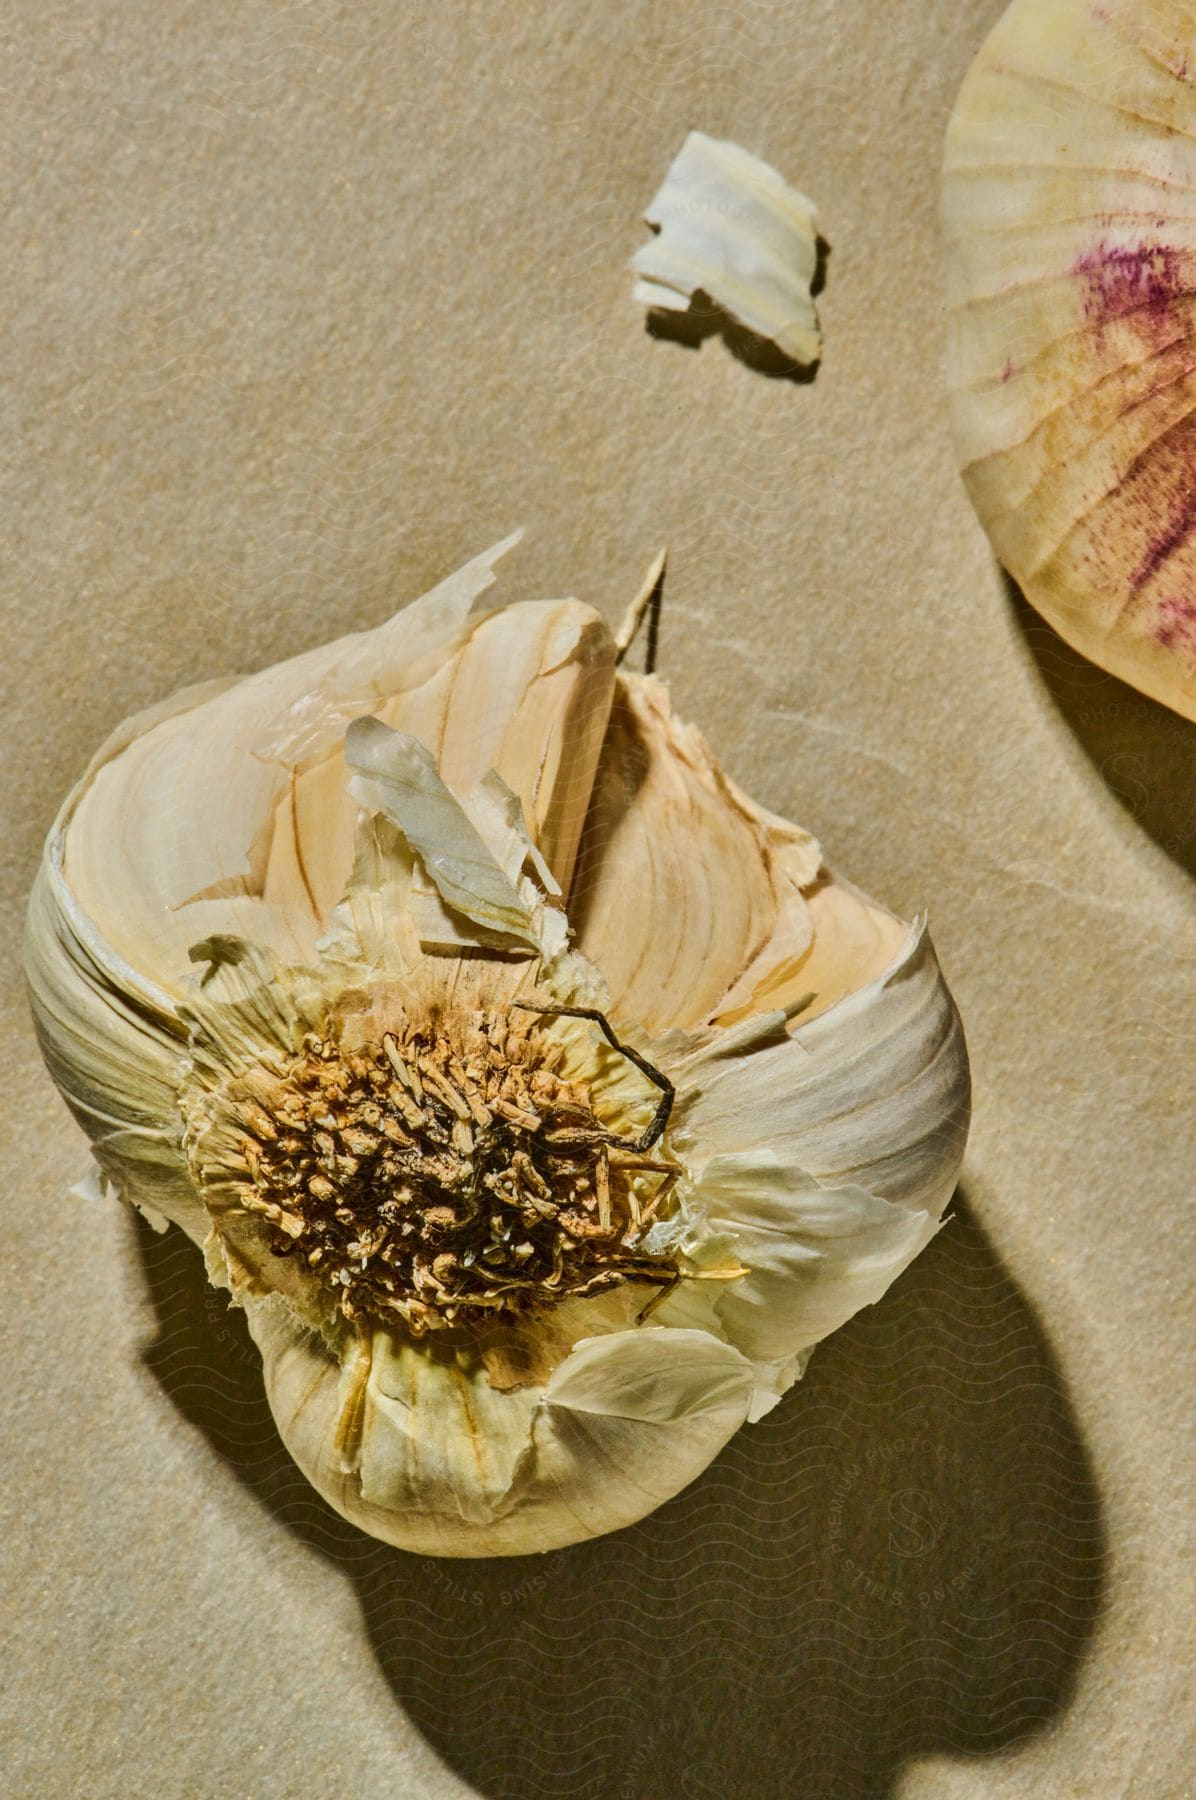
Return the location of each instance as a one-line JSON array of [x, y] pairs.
[[1069, 158], [540, 1098]]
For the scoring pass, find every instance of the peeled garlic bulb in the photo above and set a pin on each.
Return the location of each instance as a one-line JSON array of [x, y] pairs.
[[540, 1098], [1071, 242]]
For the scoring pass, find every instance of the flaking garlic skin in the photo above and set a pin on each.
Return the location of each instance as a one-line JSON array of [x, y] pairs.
[[541, 1099], [731, 228], [1070, 256]]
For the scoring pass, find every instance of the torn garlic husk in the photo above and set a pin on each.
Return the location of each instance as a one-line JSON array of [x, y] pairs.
[[1071, 253], [733, 229], [541, 1099]]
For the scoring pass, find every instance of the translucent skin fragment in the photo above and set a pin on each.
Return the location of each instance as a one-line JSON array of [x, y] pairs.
[[732, 228]]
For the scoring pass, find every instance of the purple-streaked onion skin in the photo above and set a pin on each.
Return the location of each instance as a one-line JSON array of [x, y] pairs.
[[1069, 214]]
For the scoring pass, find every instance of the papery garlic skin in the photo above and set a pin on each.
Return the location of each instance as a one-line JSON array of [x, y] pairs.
[[729, 226], [1070, 253], [483, 930]]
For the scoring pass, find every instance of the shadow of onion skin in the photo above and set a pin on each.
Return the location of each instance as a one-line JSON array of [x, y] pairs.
[[906, 1556], [1144, 753]]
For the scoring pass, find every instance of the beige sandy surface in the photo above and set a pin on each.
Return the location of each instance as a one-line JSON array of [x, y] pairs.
[[303, 305]]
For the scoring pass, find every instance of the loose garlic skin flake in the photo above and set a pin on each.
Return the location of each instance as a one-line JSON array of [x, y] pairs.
[[1070, 231], [729, 226], [541, 1099]]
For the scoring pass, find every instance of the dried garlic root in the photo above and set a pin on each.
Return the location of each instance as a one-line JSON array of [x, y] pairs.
[[541, 1098]]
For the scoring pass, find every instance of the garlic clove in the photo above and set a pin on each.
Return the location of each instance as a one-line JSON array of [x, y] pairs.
[[670, 837], [654, 1374], [527, 695], [625, 1422], [465, 1467], [663, 842], [524, 694], [1070, 258], [814, 1160], [114, 1047], [872, 1092], [815, 1254], [233, 814], [192, 800]]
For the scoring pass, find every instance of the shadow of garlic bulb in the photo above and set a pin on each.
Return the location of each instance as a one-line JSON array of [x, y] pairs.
[[1071, 250], [540, 1098]]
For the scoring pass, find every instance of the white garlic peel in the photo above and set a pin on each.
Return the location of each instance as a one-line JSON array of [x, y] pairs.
[[1070, 157], [541, 1099], [731, 227]]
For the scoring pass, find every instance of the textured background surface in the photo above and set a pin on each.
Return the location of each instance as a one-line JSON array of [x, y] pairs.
[[302, 306]]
